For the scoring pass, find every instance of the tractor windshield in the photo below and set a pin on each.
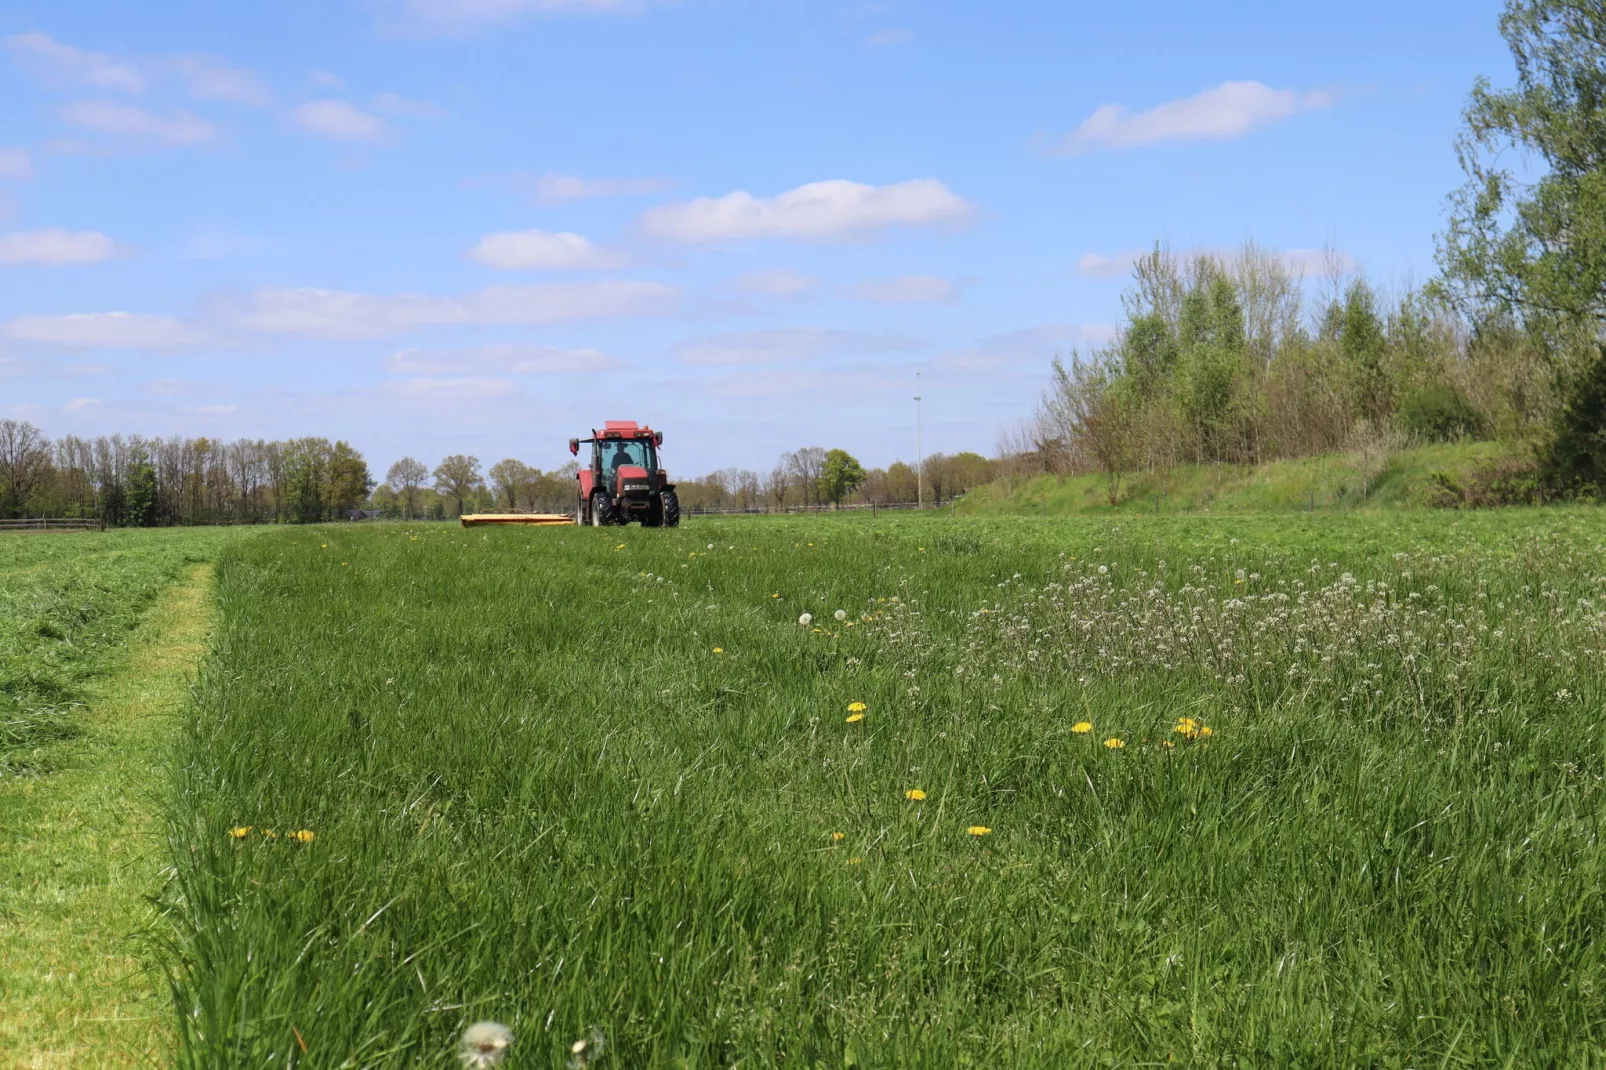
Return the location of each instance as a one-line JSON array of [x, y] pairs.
[[622, 452]]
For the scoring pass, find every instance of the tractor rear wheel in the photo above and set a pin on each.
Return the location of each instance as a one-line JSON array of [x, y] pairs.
[[669, 506], [601, 509]]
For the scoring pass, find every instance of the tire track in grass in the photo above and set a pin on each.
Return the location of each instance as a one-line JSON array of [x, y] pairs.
[[79, 852]]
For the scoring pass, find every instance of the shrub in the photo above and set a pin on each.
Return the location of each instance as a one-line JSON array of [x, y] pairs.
[[1439, 413], [1575, 461]]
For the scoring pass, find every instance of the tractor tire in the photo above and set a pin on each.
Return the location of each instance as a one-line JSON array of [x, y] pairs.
[[602, 514], [669, 505], [654, 517]]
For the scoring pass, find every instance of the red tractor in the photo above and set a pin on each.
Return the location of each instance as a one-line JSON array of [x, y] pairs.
[[623, 481]]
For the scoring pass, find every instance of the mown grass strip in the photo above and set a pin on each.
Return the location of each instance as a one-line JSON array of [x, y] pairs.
[[80, 853]]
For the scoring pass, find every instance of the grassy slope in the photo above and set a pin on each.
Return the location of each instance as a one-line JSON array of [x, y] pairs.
[[1280, 486], [541, 794]]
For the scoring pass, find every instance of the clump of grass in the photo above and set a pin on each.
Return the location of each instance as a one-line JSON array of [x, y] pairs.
[[1286, 798]]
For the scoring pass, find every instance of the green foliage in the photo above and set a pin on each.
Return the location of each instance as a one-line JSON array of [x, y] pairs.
[[1575, 462], [840, 476], [526, 810], [1439, 412], [141, 509]]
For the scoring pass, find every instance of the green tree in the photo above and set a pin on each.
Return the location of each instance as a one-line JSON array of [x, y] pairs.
[[1534, 248], [406, 477], [141, 508], [1361, 339], [458, 478], [349, 482], [510, 479], [840, 475]]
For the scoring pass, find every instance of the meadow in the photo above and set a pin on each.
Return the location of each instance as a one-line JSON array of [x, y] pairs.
[[1262, 791]]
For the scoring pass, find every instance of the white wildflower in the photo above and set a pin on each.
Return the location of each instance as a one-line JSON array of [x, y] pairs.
[[805, 620]]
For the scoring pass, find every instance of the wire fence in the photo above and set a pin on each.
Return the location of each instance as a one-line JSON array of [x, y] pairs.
[[44, 523]]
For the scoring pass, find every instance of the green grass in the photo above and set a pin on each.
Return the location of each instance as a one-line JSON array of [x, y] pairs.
[[80, 850], [67, 605], [541, 795], [1333, 481]]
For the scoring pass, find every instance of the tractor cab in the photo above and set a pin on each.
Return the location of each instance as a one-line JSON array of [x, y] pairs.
[[623, 481]]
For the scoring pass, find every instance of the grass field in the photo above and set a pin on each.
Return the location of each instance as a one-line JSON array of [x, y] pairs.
[[1327, 482], [1262, 791]]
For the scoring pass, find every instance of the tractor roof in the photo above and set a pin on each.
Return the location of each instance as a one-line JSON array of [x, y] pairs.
[[622, 429]]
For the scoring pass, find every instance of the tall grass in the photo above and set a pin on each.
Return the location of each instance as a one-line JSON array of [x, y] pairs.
[[583, 781]]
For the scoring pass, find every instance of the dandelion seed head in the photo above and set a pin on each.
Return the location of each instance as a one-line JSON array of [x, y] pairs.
[[805, 619], [484, 1045], [840, 614]]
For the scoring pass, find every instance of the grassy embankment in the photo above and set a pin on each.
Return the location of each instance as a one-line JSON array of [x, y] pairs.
[[603, 781], [98, 636], [1328, 482]]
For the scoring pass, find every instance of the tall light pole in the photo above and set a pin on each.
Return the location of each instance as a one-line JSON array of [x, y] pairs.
[[920, 451]]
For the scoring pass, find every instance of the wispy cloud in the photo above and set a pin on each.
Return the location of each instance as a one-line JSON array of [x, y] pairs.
[[136, 124], [1301, 262], [61, 64], [1229, 110], [556, 188], [820, 210], [468, 16], [539, 250], [55, 247], [498, 360], [343, 314], [16, 163], [777, 282], [791, 344], [907, 290], [338, 120], [208, 78], [121, 330]]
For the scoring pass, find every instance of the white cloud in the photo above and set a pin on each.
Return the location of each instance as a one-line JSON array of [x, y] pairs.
[[319, 81], [539, 250], [888, 38], [56, 247], [208, 78], [777, 282], [790, 344], [554, 188], [462, 16], [129, 330], [64, 65], [834, 209], [80, 404], [123, 120], [339, 120], [395, 104], [217, 410], [341, 314], [15, 163], [1229, 110], [908, 290], [498, 359], [469, 388], [1300, 262], [1033, 346]]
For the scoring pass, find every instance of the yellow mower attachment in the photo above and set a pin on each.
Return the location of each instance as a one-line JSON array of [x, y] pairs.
[[474, 520]]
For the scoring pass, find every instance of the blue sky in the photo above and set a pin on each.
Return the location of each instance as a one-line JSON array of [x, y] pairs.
[[483, 226]]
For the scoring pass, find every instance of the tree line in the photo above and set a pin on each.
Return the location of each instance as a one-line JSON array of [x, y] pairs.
[[814, 476], [1221, 358]]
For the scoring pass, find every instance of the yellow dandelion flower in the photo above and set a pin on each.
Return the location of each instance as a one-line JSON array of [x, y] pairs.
[[240, 832], [1185, 724], [854, 861], [838, 837], [621, 546], [1115, 743], [979, 830], [1082, 728], [719, 650], [269, 834], [1168, 745], [1206, 730], [857, 707], [916, 794], [855, 718], [777, 594], [303, 836]]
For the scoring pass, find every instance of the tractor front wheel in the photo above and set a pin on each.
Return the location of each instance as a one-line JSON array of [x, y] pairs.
[[601, 509], [669, 506]]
